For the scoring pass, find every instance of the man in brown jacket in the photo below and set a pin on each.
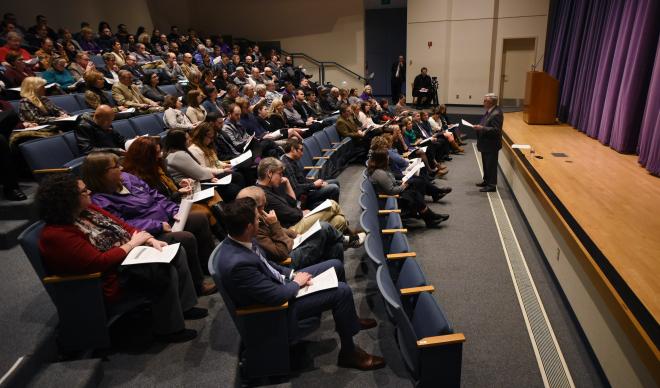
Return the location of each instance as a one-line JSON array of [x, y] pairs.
[[277, 241], [126, 94]]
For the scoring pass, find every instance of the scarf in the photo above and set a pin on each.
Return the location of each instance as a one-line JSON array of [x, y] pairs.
[[103, 232]]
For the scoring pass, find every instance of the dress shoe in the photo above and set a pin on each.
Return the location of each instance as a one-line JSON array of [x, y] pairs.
[[184, 335], [445, 190], [448, 158], [195, 313], [437, 195], [441, 172], [208, 289], [366, 324], [488, 189], [441, 216], [15, 195], [481, 184], [359, 359]]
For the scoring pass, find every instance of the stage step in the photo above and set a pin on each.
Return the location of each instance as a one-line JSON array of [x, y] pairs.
[[16, 210], [10, 230], [81, 373]]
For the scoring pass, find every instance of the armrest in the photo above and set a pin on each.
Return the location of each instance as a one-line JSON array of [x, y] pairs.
[[416, 290], [383, 196], [392, 231], [51, 170], [406, 154], [312, 167], [286, 261], [388, 211], [60, 279], [260, 309], [440, 340], [335, 142], [328, 149], [399, 256], [320, 157]]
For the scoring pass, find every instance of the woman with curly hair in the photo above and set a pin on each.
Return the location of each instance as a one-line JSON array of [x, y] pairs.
[[80, 238]]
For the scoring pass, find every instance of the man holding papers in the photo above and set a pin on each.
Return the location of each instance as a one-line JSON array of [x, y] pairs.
[[321, 242], [489, 141], [250, 279], [281, 198]]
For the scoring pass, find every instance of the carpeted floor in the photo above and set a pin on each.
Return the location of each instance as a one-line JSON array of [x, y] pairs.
[[464, 260]]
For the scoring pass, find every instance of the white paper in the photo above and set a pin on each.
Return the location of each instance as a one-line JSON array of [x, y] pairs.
[[31, 61], [220, 182], [201, 195], [129, 110], [428, 139], [412, 171], [521, 146], [182, 215], [241, 158], [273, 135], [144, 254], [38, 127], [423, 90], [247, 143], [50, 85], [466, 123], [324, 205], [423, 149], [18, 89], [302, 237], [109, 80], [452, 126], [69, 118], [335, 112], [320, 282]]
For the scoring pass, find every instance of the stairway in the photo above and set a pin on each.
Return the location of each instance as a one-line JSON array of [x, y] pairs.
[[15, 216]]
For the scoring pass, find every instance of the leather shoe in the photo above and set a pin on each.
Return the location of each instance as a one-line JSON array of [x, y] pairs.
[[359, 359], [208, 289], [366, 324], [488, 189], [184, 335], [15, 195], [481, 184], [195, 313]]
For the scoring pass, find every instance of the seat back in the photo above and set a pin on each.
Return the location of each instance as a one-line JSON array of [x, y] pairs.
[[125, 128], [172, 90], [147, 124], [29, 241], [388, 291], [373, 245], [48, 152], [68, 102], [70, 139], [332, 133], [98, 61], [312, 146], [108, 94], [410, 274], [322, 139]]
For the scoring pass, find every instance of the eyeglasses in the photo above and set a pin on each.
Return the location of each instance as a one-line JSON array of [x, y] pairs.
[[85, 191], [117, 165]]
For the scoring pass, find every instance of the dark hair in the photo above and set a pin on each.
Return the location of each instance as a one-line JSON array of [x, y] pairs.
[[208, 90], [343, 108], [287, 98], [169, 101], [377, 161], [292, 143], [58, 198], [146, 78], [212, 117], [191, 98], [424, 68], [11, 58], [237, 215], [176, 141], [142, 160]]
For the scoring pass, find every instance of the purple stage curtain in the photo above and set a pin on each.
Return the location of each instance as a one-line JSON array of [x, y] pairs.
[[649, 139], [603, 54]]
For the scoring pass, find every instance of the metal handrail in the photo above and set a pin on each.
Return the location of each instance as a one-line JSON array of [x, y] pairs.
[[323, 64]]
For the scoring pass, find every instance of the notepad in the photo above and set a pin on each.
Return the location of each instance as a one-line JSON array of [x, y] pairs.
[[220, 182], [68, 118], [466, 123], [324, 205], [203, 194], [38, 127], [182, 215], [241, 158], [302, 237], [144, 254], [323, 281]]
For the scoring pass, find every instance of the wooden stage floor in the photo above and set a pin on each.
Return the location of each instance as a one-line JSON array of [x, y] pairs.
[[613, 199]]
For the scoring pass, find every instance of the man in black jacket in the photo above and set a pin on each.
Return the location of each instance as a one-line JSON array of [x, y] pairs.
[[422, 86], [96, 133], [489, 141], [398, 77]]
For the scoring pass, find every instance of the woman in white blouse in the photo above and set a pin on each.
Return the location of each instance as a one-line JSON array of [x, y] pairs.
[[173, 117], [196, 113]]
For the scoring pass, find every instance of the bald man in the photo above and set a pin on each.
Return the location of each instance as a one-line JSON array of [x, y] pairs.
[[95, 132]]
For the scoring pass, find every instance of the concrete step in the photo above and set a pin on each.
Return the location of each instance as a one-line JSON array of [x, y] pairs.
[[71, 374], [10, 230], [16, 210]]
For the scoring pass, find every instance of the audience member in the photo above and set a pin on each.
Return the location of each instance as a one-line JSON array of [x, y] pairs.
[[126, 94], [151, 90], [59, 75], [195, 111], [95, 133], [35, 107], [173, 117]]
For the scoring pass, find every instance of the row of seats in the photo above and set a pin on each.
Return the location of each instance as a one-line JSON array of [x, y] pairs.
[[430, 348], [52, 153], [325, 153]]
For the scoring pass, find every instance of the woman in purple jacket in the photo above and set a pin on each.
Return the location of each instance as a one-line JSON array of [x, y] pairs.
[[130, 198]]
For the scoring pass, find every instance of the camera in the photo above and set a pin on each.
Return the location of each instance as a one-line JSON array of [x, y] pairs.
[[434, 78]]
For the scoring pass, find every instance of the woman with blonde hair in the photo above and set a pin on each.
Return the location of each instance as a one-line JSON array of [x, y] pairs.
[[34, 106]]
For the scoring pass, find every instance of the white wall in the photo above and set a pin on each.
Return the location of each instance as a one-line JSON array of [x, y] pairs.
[[467, 36]]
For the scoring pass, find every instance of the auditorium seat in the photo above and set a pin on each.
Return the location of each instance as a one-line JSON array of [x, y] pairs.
[[125, 128], [429, 347], [318, 158], [68, 102], [312, 168], [264, 332], [408, 279], [98, 61], [70, 139], [111, 101], [46, 154], [369, 198], [172, 90], [148, 124]]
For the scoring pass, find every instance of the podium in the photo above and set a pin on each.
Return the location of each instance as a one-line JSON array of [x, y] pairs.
[[541, 97]]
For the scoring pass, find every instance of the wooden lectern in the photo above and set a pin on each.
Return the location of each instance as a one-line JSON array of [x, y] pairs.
[[541, 96]]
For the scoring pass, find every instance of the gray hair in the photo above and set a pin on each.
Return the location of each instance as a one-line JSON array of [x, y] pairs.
[[492, 97], [267, 166]]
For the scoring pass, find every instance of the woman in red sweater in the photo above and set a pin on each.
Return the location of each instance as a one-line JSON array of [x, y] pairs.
[[80, 238]]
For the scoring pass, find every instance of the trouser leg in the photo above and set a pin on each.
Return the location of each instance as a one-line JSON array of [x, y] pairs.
[[189, 243], [326, 244], [490, 165], [198, 225], [315, 197]]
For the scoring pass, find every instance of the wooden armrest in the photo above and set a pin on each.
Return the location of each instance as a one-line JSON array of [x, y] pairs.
[[260, 309], [383, 196], [406, 154], [416, 290], [402, 255], [286, 261], [60, 279], [440, 340], [335, 142], [392, 231], [320, 157], [388, 211], [328, 149], [51, 170], [312, 168]]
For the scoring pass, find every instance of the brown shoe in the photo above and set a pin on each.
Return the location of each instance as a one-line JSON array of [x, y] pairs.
[[442, 172], [208, 289], [366, 324], [359, 359]]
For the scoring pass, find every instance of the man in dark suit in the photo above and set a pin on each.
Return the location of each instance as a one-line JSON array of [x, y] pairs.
[[249, 279], [398, 77], [489, 141]]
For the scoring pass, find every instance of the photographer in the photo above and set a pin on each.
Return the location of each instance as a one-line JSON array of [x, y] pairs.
[[422, 89]]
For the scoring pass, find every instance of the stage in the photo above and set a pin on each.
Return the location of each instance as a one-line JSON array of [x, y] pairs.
[[596, 215]]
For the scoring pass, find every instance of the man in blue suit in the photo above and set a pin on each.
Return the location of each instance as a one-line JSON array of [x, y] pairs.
[[249, 279], [489, 141]]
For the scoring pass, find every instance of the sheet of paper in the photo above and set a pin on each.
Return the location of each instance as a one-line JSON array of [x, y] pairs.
[[129, 110], [221, 182], [428, 139], [182, 215], [247, 143], [50, 85], [38, 127], [423, 90], [31, 61], [466, 123], [18, 89], [521, 146], [452, 126], [323, 281], [423, 149], [203, 194], [412, 171], [273, 135], [144, 254], [324, 205], [302, 237], [241, 158], [109, 80], [335, 112], [69, 118]]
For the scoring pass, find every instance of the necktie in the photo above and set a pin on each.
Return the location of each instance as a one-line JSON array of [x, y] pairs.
[[275, 273]]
